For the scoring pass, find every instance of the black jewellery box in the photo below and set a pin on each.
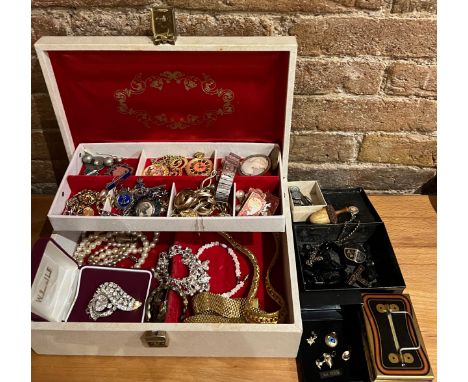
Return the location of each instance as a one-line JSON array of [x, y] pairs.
[[368, 232], [337, 343]]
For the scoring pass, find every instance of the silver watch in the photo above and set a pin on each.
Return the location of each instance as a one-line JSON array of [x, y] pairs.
[[230, 166]]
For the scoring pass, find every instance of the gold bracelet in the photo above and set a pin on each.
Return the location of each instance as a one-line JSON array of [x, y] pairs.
[[209, 307]]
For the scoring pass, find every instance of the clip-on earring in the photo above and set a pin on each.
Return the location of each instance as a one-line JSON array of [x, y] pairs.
[[94, 163], [312, 338], [327, 358]]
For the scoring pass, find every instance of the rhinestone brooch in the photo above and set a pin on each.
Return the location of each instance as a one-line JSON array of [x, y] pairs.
[[108, 298]]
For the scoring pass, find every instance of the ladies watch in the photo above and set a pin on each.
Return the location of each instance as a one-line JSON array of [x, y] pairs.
[[230, 166]]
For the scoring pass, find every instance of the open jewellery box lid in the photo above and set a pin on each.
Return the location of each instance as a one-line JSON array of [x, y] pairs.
[[202, 89]]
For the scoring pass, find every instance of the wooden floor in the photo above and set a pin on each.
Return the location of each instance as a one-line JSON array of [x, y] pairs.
[[411, 225]]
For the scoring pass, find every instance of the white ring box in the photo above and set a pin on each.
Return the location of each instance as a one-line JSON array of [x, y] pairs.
[[255, 132], [310, 188], [59, 283]]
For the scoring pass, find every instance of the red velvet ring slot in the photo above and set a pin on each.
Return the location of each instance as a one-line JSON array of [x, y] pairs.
[[134, 283]]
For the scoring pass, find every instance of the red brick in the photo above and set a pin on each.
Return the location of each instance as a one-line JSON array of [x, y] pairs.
[[228, 25], [47, 172], [411, 79], [44, 188], [404, 6], [322, 147], [42, 112], [413, 150], [38, 84], [93, 3], [370, 177], [310, 6], [364, 114], [112, 22], [49, 23], [47, 145], [354, 36], [326, 76]]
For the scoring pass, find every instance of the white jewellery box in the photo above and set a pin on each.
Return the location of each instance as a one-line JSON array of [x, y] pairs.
[[126, 97], [214, 95]]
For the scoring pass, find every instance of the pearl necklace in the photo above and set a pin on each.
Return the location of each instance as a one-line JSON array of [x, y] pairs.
[[116, 246], [230, 251]]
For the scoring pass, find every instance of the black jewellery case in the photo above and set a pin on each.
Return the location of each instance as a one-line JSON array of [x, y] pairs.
[[334, 325]]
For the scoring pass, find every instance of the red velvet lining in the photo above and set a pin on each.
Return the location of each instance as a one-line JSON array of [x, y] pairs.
[[89, 80], [222, 271]]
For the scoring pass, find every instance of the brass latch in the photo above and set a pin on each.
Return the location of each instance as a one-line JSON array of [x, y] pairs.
[[155, 339], [164, 26]]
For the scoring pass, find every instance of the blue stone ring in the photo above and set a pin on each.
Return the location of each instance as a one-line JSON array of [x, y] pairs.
[[331, 340]]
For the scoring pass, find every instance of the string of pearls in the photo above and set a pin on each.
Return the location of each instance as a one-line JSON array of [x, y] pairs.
[[114, 247], [239, 282]]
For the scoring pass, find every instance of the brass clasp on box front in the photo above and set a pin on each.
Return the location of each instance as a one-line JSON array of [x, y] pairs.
[[163, 25], [155, 339]]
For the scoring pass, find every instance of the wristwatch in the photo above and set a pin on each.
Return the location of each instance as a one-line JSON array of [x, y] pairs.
[[230, 166]]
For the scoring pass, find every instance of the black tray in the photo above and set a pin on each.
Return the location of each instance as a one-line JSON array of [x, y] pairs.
[[346, 321], [344, 197], [377, 242]]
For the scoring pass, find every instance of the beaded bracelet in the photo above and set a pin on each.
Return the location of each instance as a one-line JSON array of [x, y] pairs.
[[239, 282]]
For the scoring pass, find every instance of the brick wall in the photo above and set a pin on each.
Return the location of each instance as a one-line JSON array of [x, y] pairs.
[[365, 98]]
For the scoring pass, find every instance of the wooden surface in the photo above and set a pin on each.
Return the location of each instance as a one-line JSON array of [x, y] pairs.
[[411, 225]]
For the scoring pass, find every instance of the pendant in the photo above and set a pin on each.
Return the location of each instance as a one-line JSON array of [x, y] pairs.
[[147, 207], [123, 199], [355, 255], [119, 169], [156, 169], [199, 165]]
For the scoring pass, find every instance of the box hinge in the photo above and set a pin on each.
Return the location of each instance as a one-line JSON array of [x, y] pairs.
[[163, 25], [155, 339]]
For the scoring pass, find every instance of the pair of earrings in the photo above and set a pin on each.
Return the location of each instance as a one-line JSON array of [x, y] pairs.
[[95, 163], [328, 359], [331, 340]]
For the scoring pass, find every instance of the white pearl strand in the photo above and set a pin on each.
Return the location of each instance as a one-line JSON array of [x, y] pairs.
[[239, 282], [112, 250]]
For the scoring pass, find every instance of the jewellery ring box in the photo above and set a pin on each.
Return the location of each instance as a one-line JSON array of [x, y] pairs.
[[61, 290]]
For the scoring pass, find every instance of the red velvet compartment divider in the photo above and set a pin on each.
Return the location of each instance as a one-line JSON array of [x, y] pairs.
[[222, 270], [263, 182], [132, 162], [78, 183], [134, 283]]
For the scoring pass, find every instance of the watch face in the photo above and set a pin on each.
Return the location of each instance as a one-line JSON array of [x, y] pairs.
[[255, 165]]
